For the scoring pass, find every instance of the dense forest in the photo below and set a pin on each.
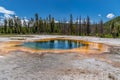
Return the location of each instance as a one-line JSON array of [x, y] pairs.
[[80, 26]]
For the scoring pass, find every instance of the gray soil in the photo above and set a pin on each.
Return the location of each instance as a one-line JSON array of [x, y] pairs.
[[20, 65]]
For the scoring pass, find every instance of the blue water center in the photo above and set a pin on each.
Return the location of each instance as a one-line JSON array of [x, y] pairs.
[[54, 44]]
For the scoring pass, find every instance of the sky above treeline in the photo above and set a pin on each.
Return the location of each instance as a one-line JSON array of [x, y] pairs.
[[96, 9]]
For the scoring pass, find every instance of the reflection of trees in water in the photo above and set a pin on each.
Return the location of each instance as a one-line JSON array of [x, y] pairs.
[[55, 44], [66, 44], [70, 44], [52, 44], [47, 44], [79, 44], [61, 44]]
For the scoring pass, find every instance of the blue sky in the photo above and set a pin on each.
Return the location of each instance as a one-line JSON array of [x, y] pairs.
[[96, 9]]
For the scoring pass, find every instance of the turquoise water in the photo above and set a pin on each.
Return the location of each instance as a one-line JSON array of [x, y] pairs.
[[53, 44]]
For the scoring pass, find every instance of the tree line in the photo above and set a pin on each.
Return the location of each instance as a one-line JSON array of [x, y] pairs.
[[79, 27]]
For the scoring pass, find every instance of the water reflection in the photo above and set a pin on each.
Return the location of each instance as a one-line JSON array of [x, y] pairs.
[[54, 44]]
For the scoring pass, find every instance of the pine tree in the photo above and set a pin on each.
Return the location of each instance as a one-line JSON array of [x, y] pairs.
[[52, 25], [101, 27], [88, 25], [113, 31], [5, 25], [77, 27], [71, 24], [36, 23], [84, 27], [80, 27]]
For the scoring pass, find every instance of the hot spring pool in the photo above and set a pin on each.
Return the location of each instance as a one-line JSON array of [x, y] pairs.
[[54, 44]]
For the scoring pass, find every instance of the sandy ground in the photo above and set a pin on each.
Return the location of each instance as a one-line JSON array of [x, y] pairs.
[[19, 65]]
